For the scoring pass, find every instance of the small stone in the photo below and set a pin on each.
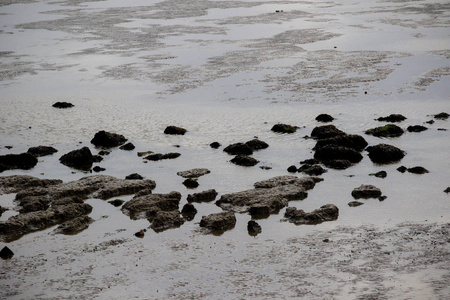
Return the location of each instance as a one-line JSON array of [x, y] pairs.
[[292, 169], [442, 116], [63, 105], [416, 128], [215, 145], [134, 176], [381, 174], [190, 183], [174, 130], [98, 169], [116, 202], [366, 191], [418, 170], [355, 203], [253, 228], [243, 160], [189, 211], [140, 234], [6, 253], [284, 128], [324, 118], [402, 169], [127, 146], [447, 190], [392, 118]]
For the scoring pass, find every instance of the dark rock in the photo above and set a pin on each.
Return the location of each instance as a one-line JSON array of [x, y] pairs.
[[416, 128], [326, 131], [447, 190], [30, 204], [24, 161], [21, 224], [366, 191], [402, 169], [430, 122], [311, 161], [238, 149], [108, 139], [265, 168], [219, 221], [164, 220], [75, 225], [6, 253], [140, 234], [66, 200], [335, 152], [63, 105], [389, 130], [140, 154], [127, 147], [355, 203], [159, 156], [244, 160], [134, 176], [190, 183], [384, 153], [189, 211], [215, 145], [41, 151], [381, 174], [284, 128], [273, 193], [253, 228], [393, 118], [97, 158], [418, 170], [382, 198], [353, 141], [149, 205], [175, 130], [116, 202], [2, 210], [312, 170], [98, 169], [256, 144], [325, 118], [292, 169], [205, 196], [442, 116], [79, 159], [327, 212], [17, 183], [103, 153], [260, 211], [193, 173]]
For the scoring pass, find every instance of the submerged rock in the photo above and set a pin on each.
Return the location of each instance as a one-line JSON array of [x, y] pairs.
[[389, 130], [24, 161], [393, 118], [366, 191], [238, 149], [63, 105], [327, 212], [75, 225], [148, 205], [284, 128], [205, 196], [193, 173], [174, 130], [164, 220], [108, 139], [219, 221], [325, 118], [244, 160], [41, 151], [81, 159], [384, 153]]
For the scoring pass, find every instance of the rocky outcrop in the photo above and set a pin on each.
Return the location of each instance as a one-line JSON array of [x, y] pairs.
[[312, 170], [385, 154], [366, 191], [389, 130], [193, 173], [164, 220], [41, 151], [74, 226], [284, 128], [108, 139], [174, 130], [205, 196], [81, 159], [325, 213], [219, 221], [24, 161], [393, 118], [148, 205], [272, 194], [17, 183]]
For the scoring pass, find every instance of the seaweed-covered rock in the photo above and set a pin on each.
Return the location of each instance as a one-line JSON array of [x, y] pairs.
[[164, 220], [253, 228], [366, 191], [384, 153], [416, 128], [257, 144], [193, 173], [174, 130], [41, 151], [418, 170], [127, 147], [108, 139], [393, 118], [238, 149], [63, 105], [326, 131], [205, 196], [442, 116], [389, 130], [219, 221], [81, 159], [327, 212], [24, 161], [284, 128], [335, 152], [148, 205], [244, 160], [353, 141], [75, 225], [324, 118]]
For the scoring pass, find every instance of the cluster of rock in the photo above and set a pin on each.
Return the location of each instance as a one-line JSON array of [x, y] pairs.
[[243, 150]]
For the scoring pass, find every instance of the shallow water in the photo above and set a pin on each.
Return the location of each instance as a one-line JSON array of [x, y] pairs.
[[226, 71]]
